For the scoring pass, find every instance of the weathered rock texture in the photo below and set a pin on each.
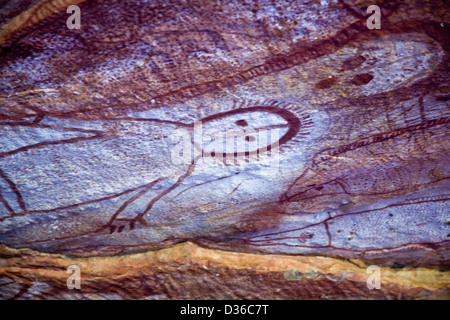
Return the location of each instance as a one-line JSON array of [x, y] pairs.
[[186, 271], [115, 139]]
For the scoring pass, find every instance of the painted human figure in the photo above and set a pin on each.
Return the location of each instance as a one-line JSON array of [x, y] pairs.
[[133, 155]]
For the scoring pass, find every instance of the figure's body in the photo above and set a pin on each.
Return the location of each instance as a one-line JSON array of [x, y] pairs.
[[128, 155], [133, 156]]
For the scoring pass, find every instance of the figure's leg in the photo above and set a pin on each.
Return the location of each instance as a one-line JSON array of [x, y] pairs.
[[12, 186], [140, 217], [112, 227], [112, 223], [6, 204]]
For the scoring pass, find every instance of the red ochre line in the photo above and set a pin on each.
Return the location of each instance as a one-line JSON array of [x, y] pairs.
[[74, 205], [14, 189], [328, 232], [363, 251], [407, 202], [44, 126], [345, 191], [380, 137], [47, 143], [95, 133], [133, 198], [165, 192]]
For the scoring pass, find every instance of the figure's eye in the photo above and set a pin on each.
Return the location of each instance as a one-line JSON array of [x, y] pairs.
[[241, 123]]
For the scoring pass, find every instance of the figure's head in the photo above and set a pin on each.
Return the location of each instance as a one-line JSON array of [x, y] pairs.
[[247, 131]]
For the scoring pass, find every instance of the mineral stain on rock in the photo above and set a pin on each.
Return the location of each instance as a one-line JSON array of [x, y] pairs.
[[326, 83], [362, 79], [269, 130]]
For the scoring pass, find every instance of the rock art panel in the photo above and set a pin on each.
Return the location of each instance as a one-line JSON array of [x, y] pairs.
[[272, 128]]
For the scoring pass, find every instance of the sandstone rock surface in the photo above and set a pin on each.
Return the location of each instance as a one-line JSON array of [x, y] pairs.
[[283, 143]]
